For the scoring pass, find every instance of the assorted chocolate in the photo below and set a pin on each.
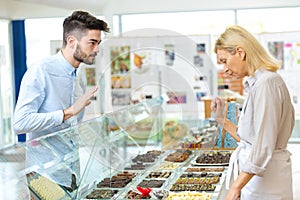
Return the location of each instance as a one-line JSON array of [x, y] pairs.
[[214, 157], [155, 152], [198, 181], [134, 195], [101, 194], [137, 166], [200, 175], [189, 195], [205, 169], [145, 158], [179, 156], [191, 187], [118, 181], [193, 179], [152, 183], [148, 157], [168, 166], [159, 175]]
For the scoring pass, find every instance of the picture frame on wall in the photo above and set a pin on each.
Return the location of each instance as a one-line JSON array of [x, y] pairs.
[[120, 59], [276, 48], [120, 98], [169, 54], [177, 97], [90, 74]]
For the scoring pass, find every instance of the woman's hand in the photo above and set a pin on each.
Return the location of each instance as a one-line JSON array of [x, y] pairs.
[[233, 194], [217, 107]]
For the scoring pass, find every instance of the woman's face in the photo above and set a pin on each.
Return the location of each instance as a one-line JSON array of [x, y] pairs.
[[234, 65]]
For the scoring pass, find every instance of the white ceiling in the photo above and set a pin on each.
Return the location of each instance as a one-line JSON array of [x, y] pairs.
[[68, 4], [21, 9]]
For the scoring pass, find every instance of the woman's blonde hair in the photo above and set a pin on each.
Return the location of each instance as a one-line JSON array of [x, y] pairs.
[[256, 56]]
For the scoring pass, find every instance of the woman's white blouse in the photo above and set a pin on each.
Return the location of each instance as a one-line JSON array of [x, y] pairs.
[[267, 119]]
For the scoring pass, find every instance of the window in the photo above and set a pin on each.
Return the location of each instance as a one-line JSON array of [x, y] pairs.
[[39, 34], [43, 37], [186, 23], [270, 20], [6, 86]]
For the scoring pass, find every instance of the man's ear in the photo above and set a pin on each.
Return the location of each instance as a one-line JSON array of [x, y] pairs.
[[241, 52], [71, 41]]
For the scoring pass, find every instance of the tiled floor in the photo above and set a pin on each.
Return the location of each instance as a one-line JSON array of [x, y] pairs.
[[295, 150]]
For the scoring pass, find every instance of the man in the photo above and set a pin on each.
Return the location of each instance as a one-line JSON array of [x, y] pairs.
[[51, 97], [46, 100]]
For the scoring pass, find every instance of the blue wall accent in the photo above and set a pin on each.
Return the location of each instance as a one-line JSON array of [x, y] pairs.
[[19, 56], [19, 53]]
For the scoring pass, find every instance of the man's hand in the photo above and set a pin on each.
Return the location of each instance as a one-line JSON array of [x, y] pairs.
[[82, 102]]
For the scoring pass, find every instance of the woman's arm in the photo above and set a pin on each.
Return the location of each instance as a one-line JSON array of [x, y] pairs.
[[235, 189], [217, 106], [230, 128]]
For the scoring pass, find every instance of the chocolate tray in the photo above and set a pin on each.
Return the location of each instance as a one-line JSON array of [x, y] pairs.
[[201, 169], [102, 194], [194, 163], [152, 183], [119, 181], [161, 174], [35, 194], [225, 155], [171, 166]]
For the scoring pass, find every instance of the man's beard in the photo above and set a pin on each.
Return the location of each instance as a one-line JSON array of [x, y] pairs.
[[82, 57]]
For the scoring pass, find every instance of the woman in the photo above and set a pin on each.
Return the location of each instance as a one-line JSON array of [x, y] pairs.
[[260, 167]]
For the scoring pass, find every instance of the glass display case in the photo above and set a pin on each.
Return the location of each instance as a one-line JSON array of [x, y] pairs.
[[102, 159]]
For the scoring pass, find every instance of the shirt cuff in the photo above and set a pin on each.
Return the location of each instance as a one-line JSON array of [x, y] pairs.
[[58, 117], [253, 169]]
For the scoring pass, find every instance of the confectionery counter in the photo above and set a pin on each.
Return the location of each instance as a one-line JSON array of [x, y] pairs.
[[156, 174], [132, 153], [169, 175]]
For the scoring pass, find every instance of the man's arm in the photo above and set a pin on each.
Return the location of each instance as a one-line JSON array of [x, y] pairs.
[[31, 96]]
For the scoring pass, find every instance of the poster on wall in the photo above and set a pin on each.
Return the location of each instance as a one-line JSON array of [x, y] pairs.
[[141, 61], [120, 98], [292, 55], [276, 49], [201, 48], [169, 54], [200, 95], [177, 97], [198, 61], [120, 81], [120, 59], [90, 74]]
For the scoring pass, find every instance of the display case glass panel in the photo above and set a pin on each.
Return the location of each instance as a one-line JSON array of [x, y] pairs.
[[101, 158]]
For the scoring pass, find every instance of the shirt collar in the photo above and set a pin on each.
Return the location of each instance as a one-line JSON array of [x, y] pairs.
[[248, 84], [67, 67]]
